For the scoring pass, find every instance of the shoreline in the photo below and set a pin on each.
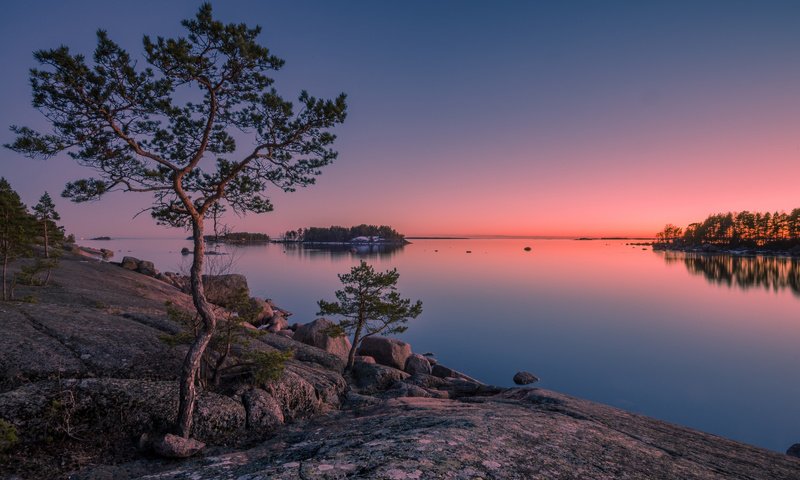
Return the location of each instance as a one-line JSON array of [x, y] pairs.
[[711, 249]]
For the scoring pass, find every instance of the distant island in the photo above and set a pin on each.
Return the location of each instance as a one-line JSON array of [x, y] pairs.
[[100, 238], [736, 232], [613, 238], [359, 234]]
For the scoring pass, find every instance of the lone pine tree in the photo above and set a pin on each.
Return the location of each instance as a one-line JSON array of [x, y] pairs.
[[168, 129], [370, 305]]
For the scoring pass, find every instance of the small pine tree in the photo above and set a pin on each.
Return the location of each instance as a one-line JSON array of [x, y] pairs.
[[46, 215], [16, 230], [370, 305]]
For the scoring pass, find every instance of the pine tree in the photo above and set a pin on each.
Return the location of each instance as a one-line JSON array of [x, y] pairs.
[[370, 305], [168, 129], [46, 215], [16, 230]]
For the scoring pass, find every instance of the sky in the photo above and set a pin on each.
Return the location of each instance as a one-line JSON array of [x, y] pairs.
[[575, 118]]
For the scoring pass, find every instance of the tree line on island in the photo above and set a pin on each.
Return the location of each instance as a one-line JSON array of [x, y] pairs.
[[736, 230], [337, 234]]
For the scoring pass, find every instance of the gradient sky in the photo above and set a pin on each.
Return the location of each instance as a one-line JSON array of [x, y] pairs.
[[466, 117]]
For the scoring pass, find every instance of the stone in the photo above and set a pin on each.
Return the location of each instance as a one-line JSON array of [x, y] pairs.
[[263, 411], [525, 378], [223, 289], [173, 446], [145, 442], [794, 450], [130, 263], [371, 378], [417, 363], [278, 323], [386, 351], [147, 268], [264, 309], [364, 358], [286, 333], [185, 251], [317, 335]]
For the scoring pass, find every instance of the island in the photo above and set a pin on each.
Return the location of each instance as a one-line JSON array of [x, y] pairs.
[[738, 233], [357, 235]]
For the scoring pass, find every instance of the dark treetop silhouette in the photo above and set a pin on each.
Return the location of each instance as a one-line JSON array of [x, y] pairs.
[[128, 125], [745, 229]]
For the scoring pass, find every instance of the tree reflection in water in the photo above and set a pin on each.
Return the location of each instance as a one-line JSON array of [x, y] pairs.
[[744, 272], [361, 250]]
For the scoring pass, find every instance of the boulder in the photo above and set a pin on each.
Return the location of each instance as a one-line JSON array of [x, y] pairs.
[[130, 263], [173, 446], [372, 378], [304, 391], [525, 378], [417, 363], [364, 358], [277, 324], [263, 411], [317, 334], [794, 450], [222, 289], [386, 351], [264, 310], [286, 333], [147, 268]]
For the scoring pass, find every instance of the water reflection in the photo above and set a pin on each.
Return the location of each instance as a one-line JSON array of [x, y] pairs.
[[744, 272], [364, 250]]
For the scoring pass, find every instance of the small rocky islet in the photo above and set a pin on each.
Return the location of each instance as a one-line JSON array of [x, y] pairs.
[[87, 382]]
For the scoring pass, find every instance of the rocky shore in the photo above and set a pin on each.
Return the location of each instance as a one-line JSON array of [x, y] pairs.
[[86, 378], [741, 251]]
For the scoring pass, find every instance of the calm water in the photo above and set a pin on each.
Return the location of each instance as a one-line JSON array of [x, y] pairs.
[[708, 342]]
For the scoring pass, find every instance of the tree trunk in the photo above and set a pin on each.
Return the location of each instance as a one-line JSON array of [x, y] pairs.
[[351, 357], [47, 254], [191, 364], [5, 269], [46, 245]]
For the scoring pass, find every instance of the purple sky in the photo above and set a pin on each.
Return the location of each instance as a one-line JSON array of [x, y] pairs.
[[536, 118]]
